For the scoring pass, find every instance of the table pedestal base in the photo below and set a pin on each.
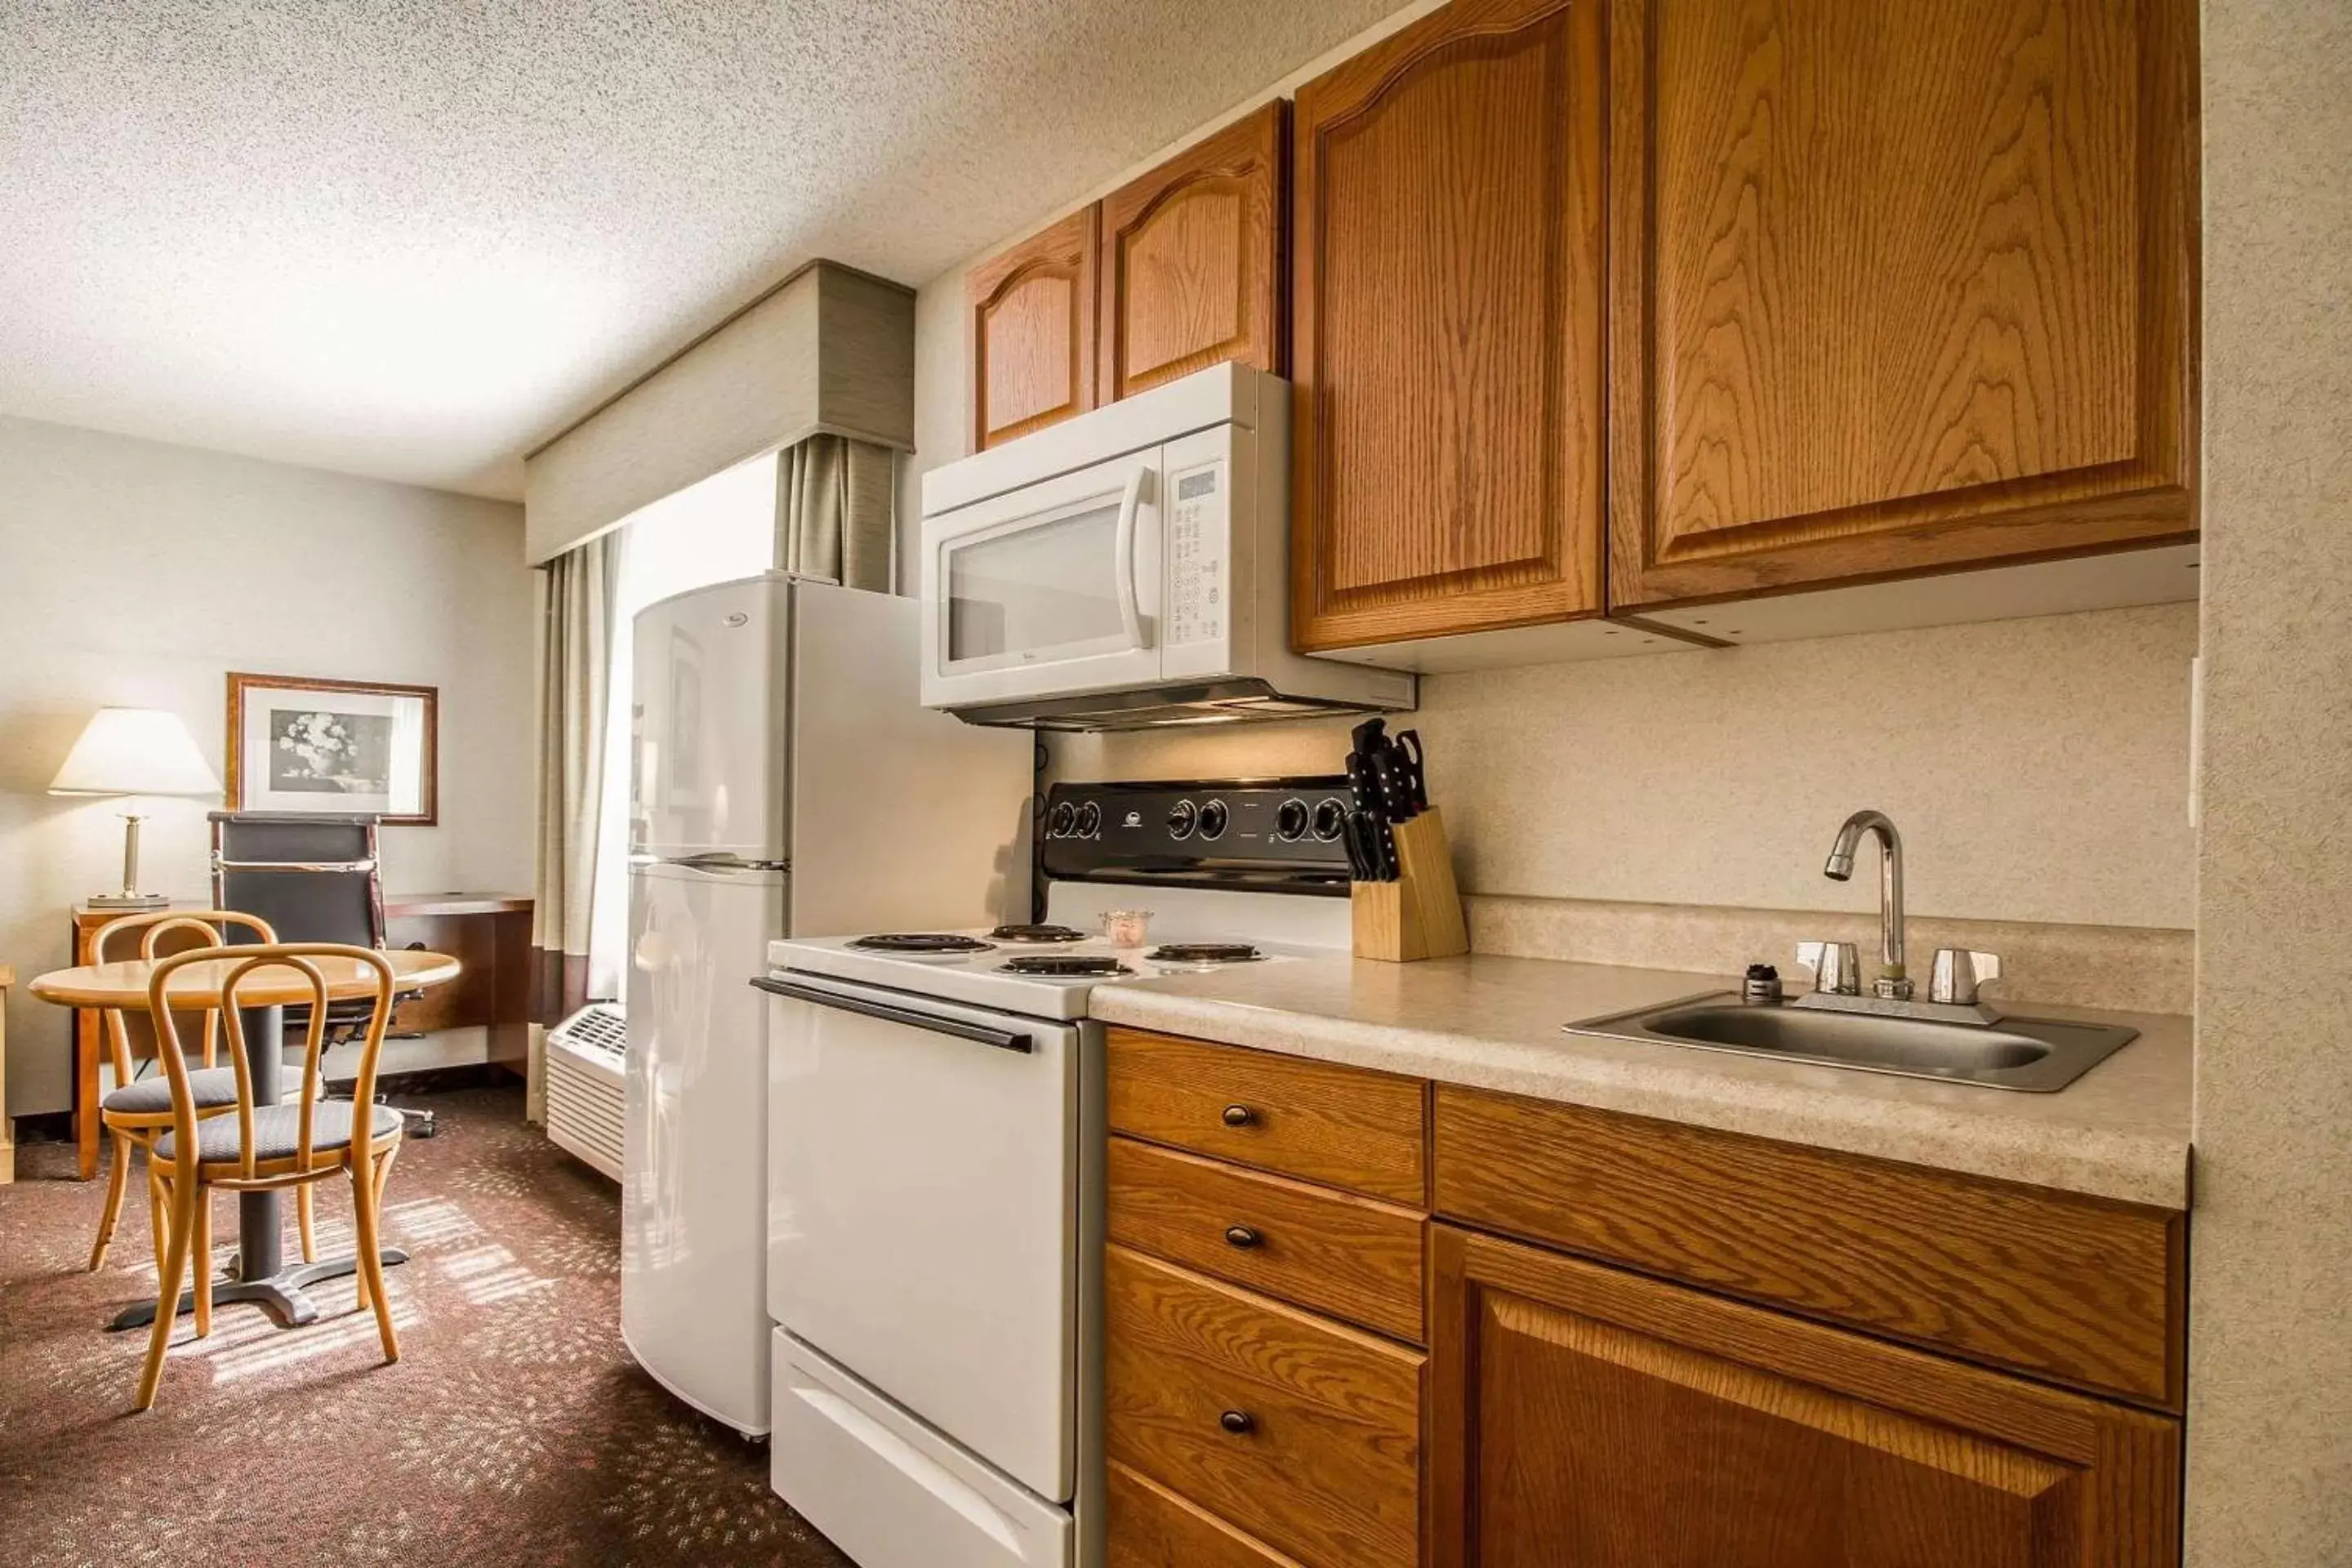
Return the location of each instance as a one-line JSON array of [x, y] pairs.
[[281, 1293]]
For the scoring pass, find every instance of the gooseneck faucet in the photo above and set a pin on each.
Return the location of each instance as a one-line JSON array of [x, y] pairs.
[[1893, 982]]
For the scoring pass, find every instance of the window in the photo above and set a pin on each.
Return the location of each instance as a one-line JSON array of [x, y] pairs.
[[715, 531]]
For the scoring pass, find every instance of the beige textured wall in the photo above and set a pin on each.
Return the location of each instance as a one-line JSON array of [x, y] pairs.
[[137, 573], [2270, 1429], [2038, 768]]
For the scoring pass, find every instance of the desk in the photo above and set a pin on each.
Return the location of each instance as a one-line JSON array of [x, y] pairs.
[[261, 1274], [488, 933]]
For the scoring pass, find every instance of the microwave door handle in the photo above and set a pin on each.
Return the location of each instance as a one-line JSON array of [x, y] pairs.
[[1130, 613]]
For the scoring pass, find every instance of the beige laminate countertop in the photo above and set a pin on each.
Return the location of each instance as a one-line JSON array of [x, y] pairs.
[[2121, 1131]]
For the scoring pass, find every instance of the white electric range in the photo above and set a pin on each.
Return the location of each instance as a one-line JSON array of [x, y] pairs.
[[935, 1169]]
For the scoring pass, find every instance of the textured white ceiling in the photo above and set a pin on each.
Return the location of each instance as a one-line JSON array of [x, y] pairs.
[[411, 239]]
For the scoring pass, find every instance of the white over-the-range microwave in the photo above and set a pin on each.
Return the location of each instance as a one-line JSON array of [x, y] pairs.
[[1128, 568]]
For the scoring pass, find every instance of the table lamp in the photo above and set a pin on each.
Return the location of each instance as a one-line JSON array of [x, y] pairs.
[[134, 752]]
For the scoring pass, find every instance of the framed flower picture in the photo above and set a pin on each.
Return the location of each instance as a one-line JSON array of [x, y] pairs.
[[334, 746]]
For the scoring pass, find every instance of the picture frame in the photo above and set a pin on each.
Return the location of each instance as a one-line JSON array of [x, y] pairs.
[[295, 744]]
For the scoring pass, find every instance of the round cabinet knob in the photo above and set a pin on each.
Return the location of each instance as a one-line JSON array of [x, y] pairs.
[[1181, 816], [1089, 820], [1240, 1116], [1061, 819], [1237, 1422], [1290, 821], [1330, 820], [1213, 819], [1241, 1235]]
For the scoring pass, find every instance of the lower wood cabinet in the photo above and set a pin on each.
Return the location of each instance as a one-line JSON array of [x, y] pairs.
[[1583, 1415]]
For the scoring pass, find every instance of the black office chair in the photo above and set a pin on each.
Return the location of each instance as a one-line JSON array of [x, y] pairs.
[[313, 879]]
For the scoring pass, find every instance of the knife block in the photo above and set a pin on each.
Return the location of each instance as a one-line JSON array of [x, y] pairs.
[[1419, 915]]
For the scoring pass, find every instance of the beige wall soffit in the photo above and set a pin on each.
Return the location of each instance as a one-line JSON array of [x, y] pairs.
[[831, 349]]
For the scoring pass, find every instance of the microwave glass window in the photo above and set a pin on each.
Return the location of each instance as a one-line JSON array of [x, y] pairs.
[[1041, 586]]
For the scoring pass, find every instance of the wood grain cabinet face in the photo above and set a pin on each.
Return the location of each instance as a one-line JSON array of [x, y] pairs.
[[1193, 258], [1895, 288], [1582, 1415], [1033, 333], [1446, 327]]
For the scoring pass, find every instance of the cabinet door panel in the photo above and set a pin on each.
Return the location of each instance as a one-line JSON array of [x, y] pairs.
[[1033, 340], [1447, 344], [1192, 258], [1582, 1416], [1894, 287]]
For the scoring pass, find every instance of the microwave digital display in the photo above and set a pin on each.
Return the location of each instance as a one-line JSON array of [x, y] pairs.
[[1192, 487]]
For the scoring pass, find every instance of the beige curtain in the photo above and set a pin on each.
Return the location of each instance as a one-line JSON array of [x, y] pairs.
[[574, 675], [836, 510]]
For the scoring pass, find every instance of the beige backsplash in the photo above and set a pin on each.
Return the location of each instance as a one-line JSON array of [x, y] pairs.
[[1675, 809], [2131, 969]]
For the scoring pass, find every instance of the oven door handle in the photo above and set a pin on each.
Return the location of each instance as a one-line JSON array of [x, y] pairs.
[[1003, 1039], [1130, 612]]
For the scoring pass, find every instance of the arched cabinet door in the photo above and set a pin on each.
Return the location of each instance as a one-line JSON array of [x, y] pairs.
[[1033, 331], [1896, 289], [1192, 259], [1446, 319]]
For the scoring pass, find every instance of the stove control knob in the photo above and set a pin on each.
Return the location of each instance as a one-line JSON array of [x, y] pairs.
[[1181, 818], [1330, 820], [1061, 819], [1290, 821], [1213, 819], [1089, 820]]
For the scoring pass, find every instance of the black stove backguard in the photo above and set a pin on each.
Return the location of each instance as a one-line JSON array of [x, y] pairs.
[[1279, 834]]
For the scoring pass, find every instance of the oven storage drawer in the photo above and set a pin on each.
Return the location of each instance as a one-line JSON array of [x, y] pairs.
[[889, 1491]]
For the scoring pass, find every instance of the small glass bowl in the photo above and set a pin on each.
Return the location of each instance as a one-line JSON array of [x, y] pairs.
[[1127, 928]]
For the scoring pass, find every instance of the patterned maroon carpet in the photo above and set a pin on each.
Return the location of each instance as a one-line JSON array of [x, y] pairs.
[[515, 1429]]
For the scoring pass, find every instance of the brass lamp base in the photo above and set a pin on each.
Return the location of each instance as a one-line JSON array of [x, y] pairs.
[[130, 897]]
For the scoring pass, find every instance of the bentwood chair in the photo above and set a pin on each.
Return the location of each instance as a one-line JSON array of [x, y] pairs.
[[138, 1110], [292, 1145]]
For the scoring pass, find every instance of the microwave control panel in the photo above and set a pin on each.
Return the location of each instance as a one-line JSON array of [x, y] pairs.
[[1195, 586]]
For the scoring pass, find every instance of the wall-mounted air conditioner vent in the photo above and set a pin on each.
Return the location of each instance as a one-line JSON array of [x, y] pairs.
[[585, 1058]]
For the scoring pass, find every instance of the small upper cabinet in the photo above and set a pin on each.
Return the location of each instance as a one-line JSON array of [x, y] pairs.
[[1895, 288], [1446, 448], [1192, 259], [1032, 337]]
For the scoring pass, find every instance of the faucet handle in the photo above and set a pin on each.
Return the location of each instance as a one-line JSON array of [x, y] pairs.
[[1835, 967], [1959, 972]]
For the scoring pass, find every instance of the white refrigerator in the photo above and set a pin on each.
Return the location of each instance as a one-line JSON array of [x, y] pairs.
[[785, 780]]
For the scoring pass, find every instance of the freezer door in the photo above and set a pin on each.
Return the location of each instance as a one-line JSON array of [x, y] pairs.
[[706, 719], [694, 1137], [888, 1490], [924, 1210]]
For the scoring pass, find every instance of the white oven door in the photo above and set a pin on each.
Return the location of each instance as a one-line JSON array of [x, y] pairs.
[[1053, 588], [923, 1210]]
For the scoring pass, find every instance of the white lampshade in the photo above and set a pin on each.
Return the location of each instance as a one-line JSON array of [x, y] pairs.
[[135, 750]]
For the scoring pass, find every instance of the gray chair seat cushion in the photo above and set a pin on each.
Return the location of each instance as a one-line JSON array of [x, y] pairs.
[[210, 1087], [276, 1128]]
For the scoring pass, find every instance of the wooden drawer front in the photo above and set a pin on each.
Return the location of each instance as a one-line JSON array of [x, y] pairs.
[[1341, 1126], [2082, 1290], [1353, 1257], [1327, 1467], [1151, 1527]]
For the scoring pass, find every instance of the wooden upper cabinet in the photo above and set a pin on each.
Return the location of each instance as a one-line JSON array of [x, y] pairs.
[[1033, 331], [1895, 288], [1192, 259], [1582, 1415], [1448, 443]]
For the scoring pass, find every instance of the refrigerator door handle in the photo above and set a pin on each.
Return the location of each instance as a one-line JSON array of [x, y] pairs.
[[711, 860], [1003, 1039]]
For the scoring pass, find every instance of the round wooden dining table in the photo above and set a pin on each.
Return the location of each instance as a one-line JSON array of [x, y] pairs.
[[261, 1273]]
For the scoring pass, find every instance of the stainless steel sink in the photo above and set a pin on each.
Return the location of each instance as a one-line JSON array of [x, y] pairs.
[[2037, 1054]]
